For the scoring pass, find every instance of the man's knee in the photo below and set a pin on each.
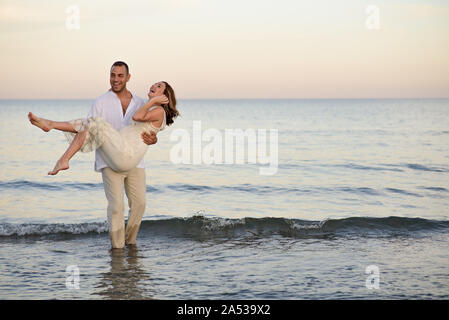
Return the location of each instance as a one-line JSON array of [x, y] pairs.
[[113, 188], [137, 205], [116, 207]]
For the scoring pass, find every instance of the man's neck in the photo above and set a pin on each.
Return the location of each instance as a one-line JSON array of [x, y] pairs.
[[123, 93]]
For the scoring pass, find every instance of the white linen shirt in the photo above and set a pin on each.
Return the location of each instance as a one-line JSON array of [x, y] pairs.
[[109, 107]]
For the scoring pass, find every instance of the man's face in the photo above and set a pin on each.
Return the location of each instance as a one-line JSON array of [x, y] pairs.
[[118, 79]]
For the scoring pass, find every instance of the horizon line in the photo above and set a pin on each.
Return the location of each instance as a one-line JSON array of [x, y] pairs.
[[349, 98]]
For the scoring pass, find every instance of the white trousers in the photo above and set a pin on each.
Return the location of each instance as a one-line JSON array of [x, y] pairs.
[[134, 184]]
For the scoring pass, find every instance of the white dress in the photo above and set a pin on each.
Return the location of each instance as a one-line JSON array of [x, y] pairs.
[[122, 150]]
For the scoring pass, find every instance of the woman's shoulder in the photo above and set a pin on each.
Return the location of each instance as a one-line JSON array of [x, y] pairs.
[[157, 109]]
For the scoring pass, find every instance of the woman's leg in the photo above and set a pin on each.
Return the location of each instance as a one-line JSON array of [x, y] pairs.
[[75, 146], [47, 125]]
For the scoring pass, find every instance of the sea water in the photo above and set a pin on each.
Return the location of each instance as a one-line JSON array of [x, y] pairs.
[[357, 209]]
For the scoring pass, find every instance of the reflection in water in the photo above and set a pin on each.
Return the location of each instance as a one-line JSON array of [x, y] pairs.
[[126, 278]]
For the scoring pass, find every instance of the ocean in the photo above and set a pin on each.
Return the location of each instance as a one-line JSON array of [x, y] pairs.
[[355, 206]]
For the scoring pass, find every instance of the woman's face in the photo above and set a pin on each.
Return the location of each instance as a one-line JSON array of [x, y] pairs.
[[156, 89]]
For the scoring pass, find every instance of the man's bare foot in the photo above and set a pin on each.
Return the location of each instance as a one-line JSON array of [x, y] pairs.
[[60, 165], [42, 123]]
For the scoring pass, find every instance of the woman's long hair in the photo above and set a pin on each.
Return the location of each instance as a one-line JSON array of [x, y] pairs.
[[170, 109]]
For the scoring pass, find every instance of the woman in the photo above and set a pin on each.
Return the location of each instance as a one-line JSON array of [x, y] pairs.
[[122, 150]]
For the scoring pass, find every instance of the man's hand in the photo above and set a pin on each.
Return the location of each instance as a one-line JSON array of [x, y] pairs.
[[149, 138]]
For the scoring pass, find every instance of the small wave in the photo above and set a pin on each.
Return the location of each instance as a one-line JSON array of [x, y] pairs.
[[361, 190], [399, 191], [39, 229], [190, 187], [387, 224], [25, 184], [254, 189], [200, 227], [31, 185], [439, 189], [360, 167], [441, 132], [420, 167], [392, 167]]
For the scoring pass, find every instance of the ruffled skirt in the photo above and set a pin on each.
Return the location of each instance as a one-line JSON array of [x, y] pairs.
[[121, 150], [97, 132]]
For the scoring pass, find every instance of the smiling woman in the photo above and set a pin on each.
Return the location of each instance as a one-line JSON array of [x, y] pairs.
[[159, 89]]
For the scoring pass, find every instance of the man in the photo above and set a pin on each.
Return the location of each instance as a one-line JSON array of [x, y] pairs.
[[117, 106]]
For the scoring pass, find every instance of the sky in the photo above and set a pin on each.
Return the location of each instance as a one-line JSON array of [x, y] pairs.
[[206, 49]]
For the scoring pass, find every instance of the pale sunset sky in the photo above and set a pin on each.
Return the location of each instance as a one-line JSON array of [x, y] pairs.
[[227, 48]]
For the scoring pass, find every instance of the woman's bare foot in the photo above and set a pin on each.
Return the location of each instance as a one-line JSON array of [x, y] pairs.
[[42, 123], [60, 165]]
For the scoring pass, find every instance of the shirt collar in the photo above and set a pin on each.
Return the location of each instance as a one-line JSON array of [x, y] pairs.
[[115, 94]]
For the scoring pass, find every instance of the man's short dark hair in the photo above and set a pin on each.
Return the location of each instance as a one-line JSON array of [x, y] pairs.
[[119, 64]]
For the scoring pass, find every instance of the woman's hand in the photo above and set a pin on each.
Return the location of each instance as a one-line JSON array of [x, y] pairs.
[[159, 100]]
